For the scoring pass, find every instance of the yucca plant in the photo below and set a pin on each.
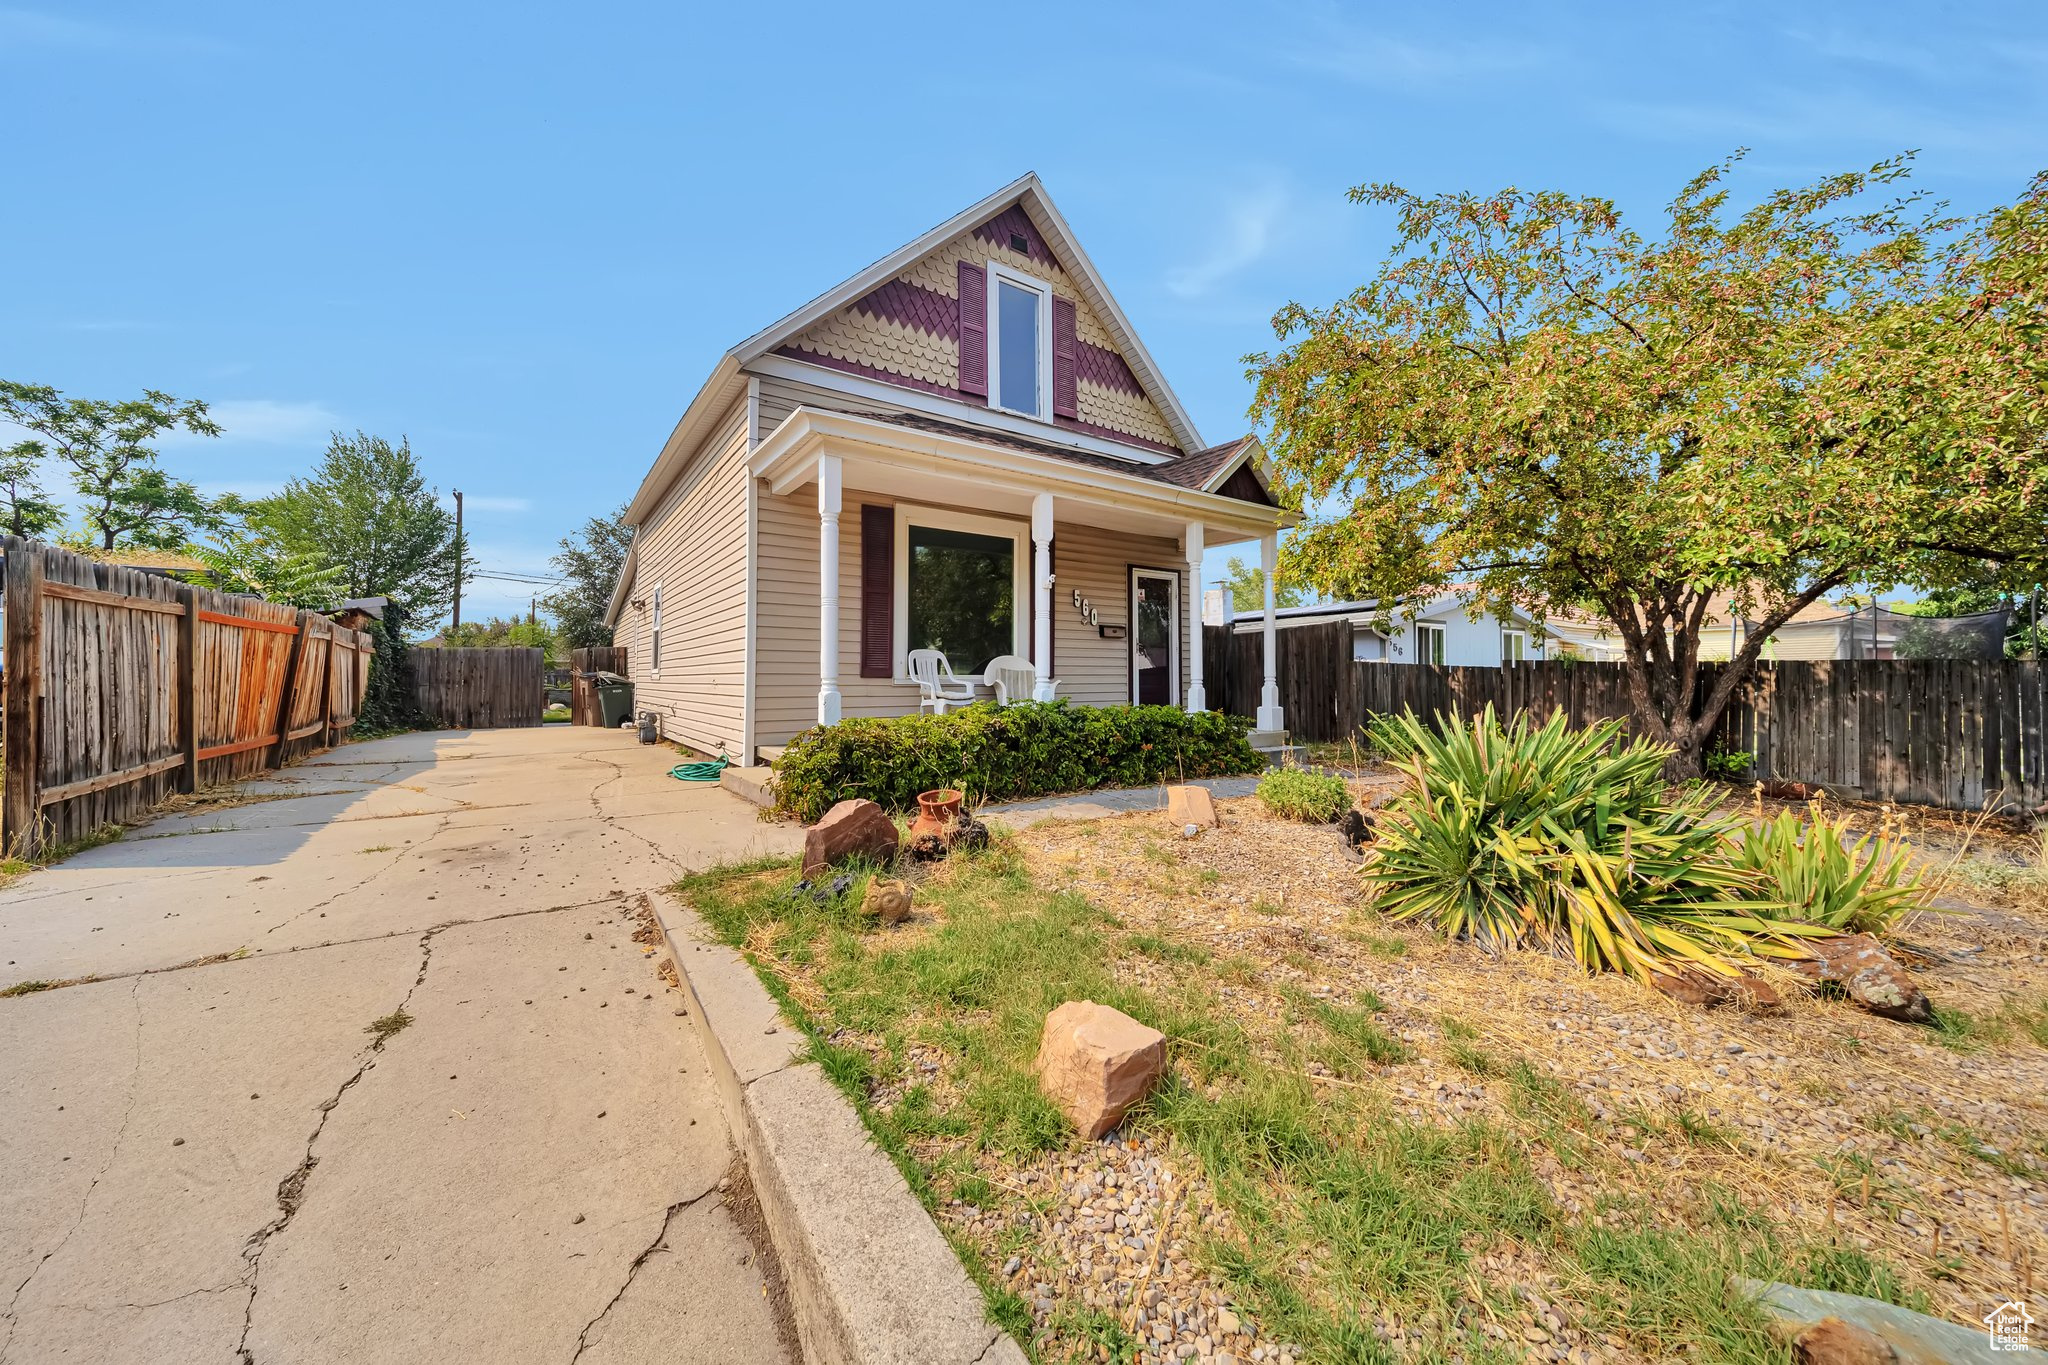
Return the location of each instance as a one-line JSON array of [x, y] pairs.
[[1810, 872], [1570, 840]]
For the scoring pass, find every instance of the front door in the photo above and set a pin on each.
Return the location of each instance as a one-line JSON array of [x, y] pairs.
[[1155, 638]]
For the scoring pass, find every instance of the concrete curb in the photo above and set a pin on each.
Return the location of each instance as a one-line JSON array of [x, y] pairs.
[[871, 1279]]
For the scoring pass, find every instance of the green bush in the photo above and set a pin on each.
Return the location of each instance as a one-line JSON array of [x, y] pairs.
[[1006, 754], [1810, 872], [1569, 840], [1299, 794]]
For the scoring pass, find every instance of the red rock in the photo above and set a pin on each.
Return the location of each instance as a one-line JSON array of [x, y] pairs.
[[1694, 986], [849, 828], [1834, 1342], [1190, 806], [1095, 1063], [1868, 975]]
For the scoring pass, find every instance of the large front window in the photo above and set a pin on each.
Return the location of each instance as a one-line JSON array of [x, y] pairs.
[[960, 585]]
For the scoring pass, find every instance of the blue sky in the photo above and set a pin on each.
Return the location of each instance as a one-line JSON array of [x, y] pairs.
[[520, 235]]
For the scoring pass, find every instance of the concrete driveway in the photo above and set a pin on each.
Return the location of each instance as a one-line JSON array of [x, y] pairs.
[[204, 1155]]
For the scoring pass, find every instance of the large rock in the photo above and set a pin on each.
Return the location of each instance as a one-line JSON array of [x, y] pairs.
[[1868, 975], [1095, 1063], [849, 828], [1190, 806], [1865, 1328]]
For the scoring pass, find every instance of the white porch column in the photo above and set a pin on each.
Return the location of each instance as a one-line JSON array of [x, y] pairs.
[[1041, 596], [828, 590], [1198, 696], [1270, 716]]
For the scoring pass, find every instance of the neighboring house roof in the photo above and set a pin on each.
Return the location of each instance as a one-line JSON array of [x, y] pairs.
[[1192, 465], [1359, 613], [156, 561]]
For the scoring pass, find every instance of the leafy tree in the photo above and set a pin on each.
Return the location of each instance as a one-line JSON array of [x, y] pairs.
[[240, 560], [29, 511], [501, 633], [1246, 584], [590, 563], [128, 498], [390, 700], [1534, 400], [368, 511]]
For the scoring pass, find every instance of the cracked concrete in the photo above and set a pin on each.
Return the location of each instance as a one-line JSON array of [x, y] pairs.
[[206, 1154]]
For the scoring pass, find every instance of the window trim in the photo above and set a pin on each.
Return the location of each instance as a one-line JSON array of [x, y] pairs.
[[1424, 629], [654, 632], [999, 275], [1018, 533], [1510, 633]]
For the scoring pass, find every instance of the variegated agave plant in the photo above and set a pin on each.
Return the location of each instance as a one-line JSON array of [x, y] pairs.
[[1571, 840]]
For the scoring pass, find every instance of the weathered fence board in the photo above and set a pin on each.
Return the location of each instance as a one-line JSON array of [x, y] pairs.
[[123, 687], [1931, 732], [480, 689], [583, 704]]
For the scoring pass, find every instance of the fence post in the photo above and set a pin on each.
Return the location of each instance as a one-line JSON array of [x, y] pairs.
[[23, 707], [327, 694], [288, 701], [188, 689]]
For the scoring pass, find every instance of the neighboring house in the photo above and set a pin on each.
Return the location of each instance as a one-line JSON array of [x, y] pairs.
[[965, 447], [1439, 631], [1819, 630]]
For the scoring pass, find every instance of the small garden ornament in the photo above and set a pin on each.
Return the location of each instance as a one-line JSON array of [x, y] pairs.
[[887, 901]]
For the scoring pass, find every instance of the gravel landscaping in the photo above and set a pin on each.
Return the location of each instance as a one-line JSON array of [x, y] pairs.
[[1375, 1145]]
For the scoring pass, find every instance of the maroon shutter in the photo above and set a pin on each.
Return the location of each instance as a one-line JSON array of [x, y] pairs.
[[877, 591], [1066, 360], [973, 329]]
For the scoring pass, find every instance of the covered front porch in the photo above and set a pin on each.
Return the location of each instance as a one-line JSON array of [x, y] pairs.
[[1086, 575]]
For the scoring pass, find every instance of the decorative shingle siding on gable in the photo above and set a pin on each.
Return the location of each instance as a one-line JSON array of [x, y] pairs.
[[908, 332]]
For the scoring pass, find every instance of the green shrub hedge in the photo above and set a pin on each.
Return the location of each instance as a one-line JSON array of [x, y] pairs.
[[1006, 754]]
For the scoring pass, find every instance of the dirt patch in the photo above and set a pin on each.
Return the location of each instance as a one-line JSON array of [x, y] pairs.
[[737, 1192]]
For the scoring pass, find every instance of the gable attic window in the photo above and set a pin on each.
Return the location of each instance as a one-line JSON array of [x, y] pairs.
[[1020, 244], [1019, 343]]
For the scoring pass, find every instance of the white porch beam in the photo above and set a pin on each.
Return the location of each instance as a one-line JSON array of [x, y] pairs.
[[1270, 716], [1041, 596], [1198, 696], [828, 589]]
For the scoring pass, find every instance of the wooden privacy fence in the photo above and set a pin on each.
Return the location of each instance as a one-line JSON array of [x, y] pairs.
[[122, 688], [1931, 732], [480, 689], [583, 707]]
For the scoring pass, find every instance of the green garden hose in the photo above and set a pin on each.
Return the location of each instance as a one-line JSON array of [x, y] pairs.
[[701, 772]]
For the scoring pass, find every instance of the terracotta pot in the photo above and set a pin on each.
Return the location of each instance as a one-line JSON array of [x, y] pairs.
[[936, 811]]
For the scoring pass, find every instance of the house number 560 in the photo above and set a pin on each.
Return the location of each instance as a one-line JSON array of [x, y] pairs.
[[1086, 608]]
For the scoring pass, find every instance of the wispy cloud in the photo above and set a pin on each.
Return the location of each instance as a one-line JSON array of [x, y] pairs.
[[1368, 54], [1244, 233], [22, 30], [269, 421]]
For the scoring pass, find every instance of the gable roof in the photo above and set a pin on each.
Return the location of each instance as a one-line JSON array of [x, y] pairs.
[[1028, 193]]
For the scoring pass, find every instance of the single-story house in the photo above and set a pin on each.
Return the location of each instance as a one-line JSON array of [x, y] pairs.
[[1439, 631], [1819, 630], [963, 447]]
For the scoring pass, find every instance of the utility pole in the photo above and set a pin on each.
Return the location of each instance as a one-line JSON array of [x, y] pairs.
[[458, 563], [530, 603]]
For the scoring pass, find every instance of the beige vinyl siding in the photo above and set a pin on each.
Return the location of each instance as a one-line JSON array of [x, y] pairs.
[[694, 548], [1091, 670], [779, 397]]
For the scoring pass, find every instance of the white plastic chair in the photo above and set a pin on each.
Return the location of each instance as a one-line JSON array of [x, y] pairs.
[[937, 687], [1013, 678]]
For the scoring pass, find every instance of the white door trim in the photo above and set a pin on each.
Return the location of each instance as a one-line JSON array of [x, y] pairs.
[[1172, 577]]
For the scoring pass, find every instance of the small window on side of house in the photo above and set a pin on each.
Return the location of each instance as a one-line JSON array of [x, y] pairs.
[[1514, 646], [654, 631], [1429, 643]]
